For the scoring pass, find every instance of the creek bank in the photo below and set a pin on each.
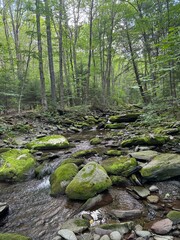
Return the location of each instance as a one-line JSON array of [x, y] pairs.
[[113, 142]]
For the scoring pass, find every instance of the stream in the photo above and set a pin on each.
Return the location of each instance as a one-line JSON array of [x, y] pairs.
[[34, 213]]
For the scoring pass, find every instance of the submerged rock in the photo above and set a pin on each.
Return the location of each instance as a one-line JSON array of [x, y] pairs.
[[49, 142], [174, 216], [162, 167], [13, 236], [61, 177], [119, 165], [126, 214], [16, 165], [145, 141], [77, 225], [89, 181], [162, 227]]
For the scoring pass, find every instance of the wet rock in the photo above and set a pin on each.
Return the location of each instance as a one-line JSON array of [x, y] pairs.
[[57, 238], [77, 161], [162, 227], [96, 237], [95, 141], [144, 155], [89, 181], [157, 237], [145, 141], [115, 126], [49, 142], [141, 191], [162, 167], [153, 199], [113, 152], [119, 181], [16, 165], [86, 236], [84, 153], [143, 234], [13, 236], [76, 225], [119, 165], [61, 177], [100, 231], [153, 188], [126, 214], [115, 235], [130, 117], [174, 216], [67, 234], [4, 209]]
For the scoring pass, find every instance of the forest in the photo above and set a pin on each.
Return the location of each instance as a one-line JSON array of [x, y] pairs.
[[60, 54]]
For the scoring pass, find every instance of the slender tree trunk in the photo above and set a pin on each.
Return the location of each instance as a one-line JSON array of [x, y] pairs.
[[40, 58], [50, 54]]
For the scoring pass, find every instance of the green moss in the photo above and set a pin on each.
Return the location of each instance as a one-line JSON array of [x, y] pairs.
[[77, 161], [115, 126], [84, 153], [119, 166], [113, 152], [174, 216], [13, 236], [119, 180], [145, 141], [95, 141], [15, 164], [81, 222], [130, 117], [49, 142], [61, 177]]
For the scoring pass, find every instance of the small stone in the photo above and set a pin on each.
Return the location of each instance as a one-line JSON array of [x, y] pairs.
[[144, 234], [153, 199], [163, 226], [105, 237], [96, 237], [157, 237], [153, 188], [67, 234], [138, 227], [115, 235], [141, 191]]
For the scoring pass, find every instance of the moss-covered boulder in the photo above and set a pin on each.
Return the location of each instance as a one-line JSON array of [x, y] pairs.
[[119, 180], [174, 216], [77, 161], [89, 181], [49, 142], [113, 152], [162, 167], [84, 153], [147, 155], [115, 126], [61, 177], [122, 166], [95, 141], [130, 117], [145, 141], [16, 165], [13, 236]]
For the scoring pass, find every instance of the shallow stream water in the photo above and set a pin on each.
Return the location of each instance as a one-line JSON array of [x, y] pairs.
[[34, 213]]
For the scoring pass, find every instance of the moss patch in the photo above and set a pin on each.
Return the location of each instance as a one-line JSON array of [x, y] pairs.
[[89, 181], [13, 236], [115, 126], [61, 178], [84, 153], [77, 161], [174, 216], [130, 117], [145, 141], [119, 166], [95, 141], [113, 152], [49, 142], [16, 164]]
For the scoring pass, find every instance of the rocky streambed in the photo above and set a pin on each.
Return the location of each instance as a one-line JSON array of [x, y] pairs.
[[138, 205]]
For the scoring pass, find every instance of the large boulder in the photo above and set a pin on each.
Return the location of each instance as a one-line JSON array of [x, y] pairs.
[[122, 166], [13, 236], [49, 142], [145, 141], [129, 117], [89, 181], [16, 165], [61, 177], [162, 167]]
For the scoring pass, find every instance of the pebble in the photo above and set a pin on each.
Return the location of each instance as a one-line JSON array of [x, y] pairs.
[[67, 234], [162, 227], [144, 234], [96, 237], [115, 235], [153, 199], [157, 237], [105, 237], [153, 188]]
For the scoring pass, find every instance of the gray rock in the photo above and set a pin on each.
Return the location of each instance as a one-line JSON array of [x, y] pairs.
[[105, 237], [157, 237], [57, 238], [115, 235], [126, 214], [144, 234], [96, 237], [153, 188], [144, 155], [4, 208], [162, 227], [67, 234], [153, 199], [141, 191], [76, 225]]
